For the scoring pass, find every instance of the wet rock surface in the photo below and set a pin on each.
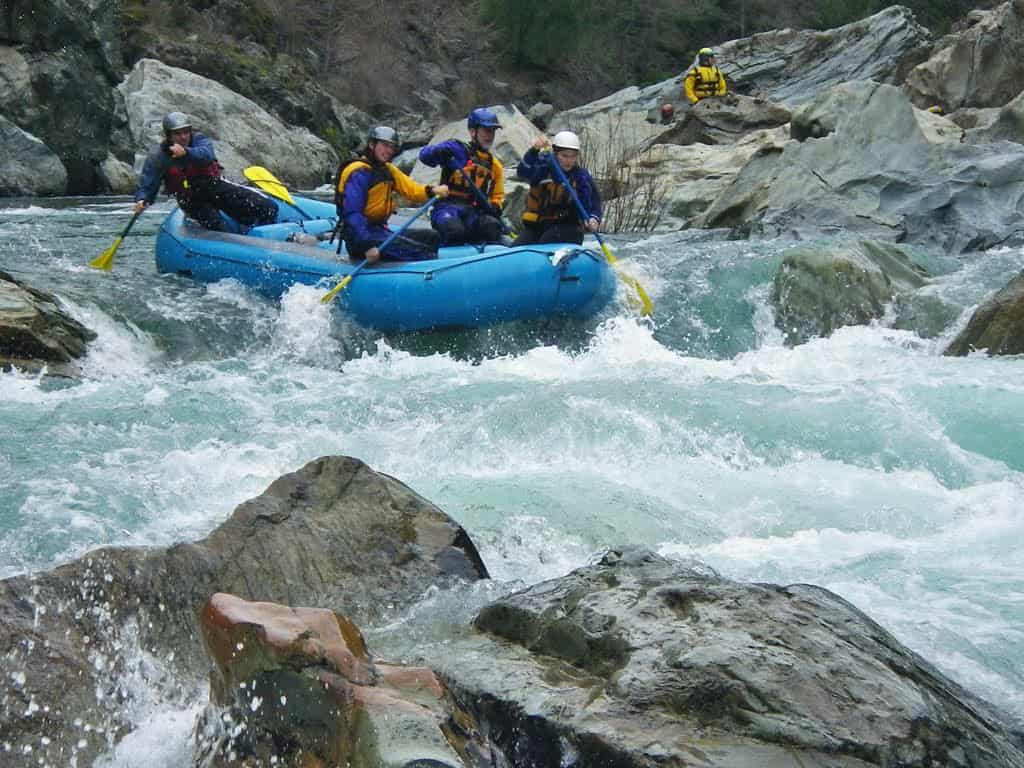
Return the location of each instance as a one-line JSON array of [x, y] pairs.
[[641, 661], [73, 640]]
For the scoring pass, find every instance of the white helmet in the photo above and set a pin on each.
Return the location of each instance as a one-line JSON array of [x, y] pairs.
[[566, 140]]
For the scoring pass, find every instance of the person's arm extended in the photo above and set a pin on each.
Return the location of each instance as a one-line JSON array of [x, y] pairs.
[[590, 198], [448, 154]]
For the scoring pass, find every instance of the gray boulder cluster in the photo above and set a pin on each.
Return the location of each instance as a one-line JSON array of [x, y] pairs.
[[635, 660]]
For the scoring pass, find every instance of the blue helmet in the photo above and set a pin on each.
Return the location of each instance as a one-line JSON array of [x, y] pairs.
[[482, 117]]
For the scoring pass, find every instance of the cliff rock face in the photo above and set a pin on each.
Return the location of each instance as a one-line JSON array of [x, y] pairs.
[[66, 58], [981, 67]]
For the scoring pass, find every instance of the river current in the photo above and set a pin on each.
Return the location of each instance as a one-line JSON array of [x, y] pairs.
[[866, 463]]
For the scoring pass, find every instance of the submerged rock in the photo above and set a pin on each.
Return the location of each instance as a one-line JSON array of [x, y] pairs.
[[997, 325], [298, 684], [35, 333], [821, 288], [641, 661], [333, 534]]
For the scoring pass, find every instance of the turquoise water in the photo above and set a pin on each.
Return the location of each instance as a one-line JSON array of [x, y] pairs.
[[866, 462]]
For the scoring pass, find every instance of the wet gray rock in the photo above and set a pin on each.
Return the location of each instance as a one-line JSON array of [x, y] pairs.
[[333, 534], [27, 166], [641, 661], [724, 120], [981, 67], [997, 325], [35, 332], [866, 161], [821, 288]]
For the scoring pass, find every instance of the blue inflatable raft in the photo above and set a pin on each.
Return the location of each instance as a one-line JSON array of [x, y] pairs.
[[468, 286]]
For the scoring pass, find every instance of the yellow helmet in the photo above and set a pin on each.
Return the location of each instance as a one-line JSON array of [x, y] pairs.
[[705, 52]]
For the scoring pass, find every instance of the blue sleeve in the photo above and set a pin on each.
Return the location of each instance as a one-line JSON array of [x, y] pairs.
[[534, 167], [588, 194], [200, 150], [436, 154], [357, 186], [157, 163]]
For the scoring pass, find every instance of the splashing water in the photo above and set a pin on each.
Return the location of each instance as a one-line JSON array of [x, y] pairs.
[[867, 462]]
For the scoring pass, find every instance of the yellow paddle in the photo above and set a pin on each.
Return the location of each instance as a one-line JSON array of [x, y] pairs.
[[105, 260], [270, 184], [642, 300]]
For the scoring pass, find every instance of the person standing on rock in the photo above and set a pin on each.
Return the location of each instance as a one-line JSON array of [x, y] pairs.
[[551, 215], [365, 200], [704, 78], [468, 215], [186, 163]]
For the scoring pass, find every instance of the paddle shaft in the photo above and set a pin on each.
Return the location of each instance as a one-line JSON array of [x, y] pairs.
[[387, 241], [646, 307], [105, 260]]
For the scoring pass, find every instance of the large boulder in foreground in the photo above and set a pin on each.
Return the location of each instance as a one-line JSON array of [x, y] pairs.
[[298, 685], [864, 160], [981, 67], [997, 325], [640, 661], [35, 333], [243, 132], [333, 534], [821, 288]]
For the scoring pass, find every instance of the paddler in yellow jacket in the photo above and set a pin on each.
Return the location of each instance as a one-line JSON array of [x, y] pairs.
[[704, 78], [365, 198]]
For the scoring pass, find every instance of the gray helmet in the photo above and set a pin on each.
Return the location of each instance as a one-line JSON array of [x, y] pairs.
[[175, 121], [384, 133]]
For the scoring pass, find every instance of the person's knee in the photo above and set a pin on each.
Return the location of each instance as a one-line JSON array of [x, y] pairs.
[[450, 227]]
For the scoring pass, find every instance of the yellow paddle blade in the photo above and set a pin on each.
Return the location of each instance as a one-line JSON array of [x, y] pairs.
[[336, 289], [641, 301], [268, 182], [105, 260]]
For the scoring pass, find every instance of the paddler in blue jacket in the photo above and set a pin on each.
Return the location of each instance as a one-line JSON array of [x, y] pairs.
[[469, 216], [551, 215], [186, 163], [365, 198]]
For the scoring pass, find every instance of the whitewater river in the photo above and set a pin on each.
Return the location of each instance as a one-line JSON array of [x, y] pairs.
[[866, 463]]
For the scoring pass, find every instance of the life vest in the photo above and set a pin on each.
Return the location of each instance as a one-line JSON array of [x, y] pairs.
[[707, 81], [380, 193], [548, 201], [178, 175], [338, 200], [479, 171]]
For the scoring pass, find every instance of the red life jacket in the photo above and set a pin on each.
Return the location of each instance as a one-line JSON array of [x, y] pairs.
[[177, 177]]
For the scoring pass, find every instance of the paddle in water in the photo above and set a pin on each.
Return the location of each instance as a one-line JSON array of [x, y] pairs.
[[643, 300], [105, 260], [387, 241]]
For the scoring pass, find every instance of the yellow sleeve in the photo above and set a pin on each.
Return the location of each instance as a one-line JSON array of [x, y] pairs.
[[688, 86], [720, 90], [411, 190], [498, 190]]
